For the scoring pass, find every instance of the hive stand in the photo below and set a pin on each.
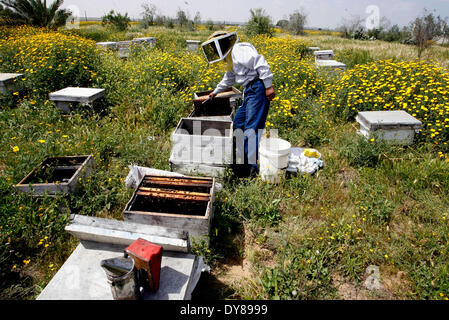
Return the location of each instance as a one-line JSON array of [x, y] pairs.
[[193, 45], [8, 82], [66, 97], [393, 127]]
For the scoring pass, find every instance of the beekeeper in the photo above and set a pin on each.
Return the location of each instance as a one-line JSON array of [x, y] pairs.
[[245, 66]]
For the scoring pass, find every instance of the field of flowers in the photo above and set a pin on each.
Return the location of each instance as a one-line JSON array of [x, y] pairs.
[[310, 237]]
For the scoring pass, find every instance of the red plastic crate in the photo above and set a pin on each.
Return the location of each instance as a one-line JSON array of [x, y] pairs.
[[147, 257]]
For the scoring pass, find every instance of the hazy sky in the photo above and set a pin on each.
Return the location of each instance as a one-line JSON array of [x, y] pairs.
[[321, 13]]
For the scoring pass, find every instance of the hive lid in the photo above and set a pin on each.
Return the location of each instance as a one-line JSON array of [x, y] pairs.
[[323, 52], [375, 120], [9, 76]]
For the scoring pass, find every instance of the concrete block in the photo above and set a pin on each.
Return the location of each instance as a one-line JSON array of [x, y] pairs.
[[125, 233], [193, 45], [8, 82], [82, 278], [395, 127], [190, 210], [324, 54], [61, 174], [332, 64], [66, 98]]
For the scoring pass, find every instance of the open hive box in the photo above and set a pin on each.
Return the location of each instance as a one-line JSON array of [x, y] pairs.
[[182, 203], [56, 175], [221, 107]]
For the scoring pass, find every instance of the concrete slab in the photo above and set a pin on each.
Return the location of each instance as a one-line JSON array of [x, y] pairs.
[[330, 64], [75, 94], [82, 278]]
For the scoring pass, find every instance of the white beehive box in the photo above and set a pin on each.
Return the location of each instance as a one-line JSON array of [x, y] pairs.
[[61, 175], [324, 54], [108, 45], [203, 141], [313, 49], [150, 41], [394, 127], [331, 64], [8, 82], [64, 98], [123, 48], [193, 45]]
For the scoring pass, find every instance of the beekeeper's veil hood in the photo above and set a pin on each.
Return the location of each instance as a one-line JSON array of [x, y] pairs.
[[218, 46]]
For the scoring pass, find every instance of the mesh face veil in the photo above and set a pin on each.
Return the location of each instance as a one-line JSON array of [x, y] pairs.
[[216, 49]]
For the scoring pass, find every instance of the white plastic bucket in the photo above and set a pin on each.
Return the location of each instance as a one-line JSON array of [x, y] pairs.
[[273, 159]]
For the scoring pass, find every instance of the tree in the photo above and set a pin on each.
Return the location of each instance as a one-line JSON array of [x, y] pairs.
[[351, 27], [424, 29], [283, 24], [34, 13], [197, 19], [181, 16], [148, 15], [259, 23], [117, 20], [296, 22], [210, 25]]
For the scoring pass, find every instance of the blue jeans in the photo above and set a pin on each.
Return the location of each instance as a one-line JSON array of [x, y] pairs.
[[251, 118]]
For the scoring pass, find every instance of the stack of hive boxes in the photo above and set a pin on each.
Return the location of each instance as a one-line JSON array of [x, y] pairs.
[[203, 142]]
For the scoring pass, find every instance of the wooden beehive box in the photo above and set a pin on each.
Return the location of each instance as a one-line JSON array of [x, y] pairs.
[[8, 82], [324, 54], [56, 175], [394, 127], [182, 203], [203, 141]]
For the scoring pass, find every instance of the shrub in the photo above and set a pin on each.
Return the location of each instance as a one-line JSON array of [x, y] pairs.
[[259, 23], [417, 87], [117, 20], [49, 60]]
